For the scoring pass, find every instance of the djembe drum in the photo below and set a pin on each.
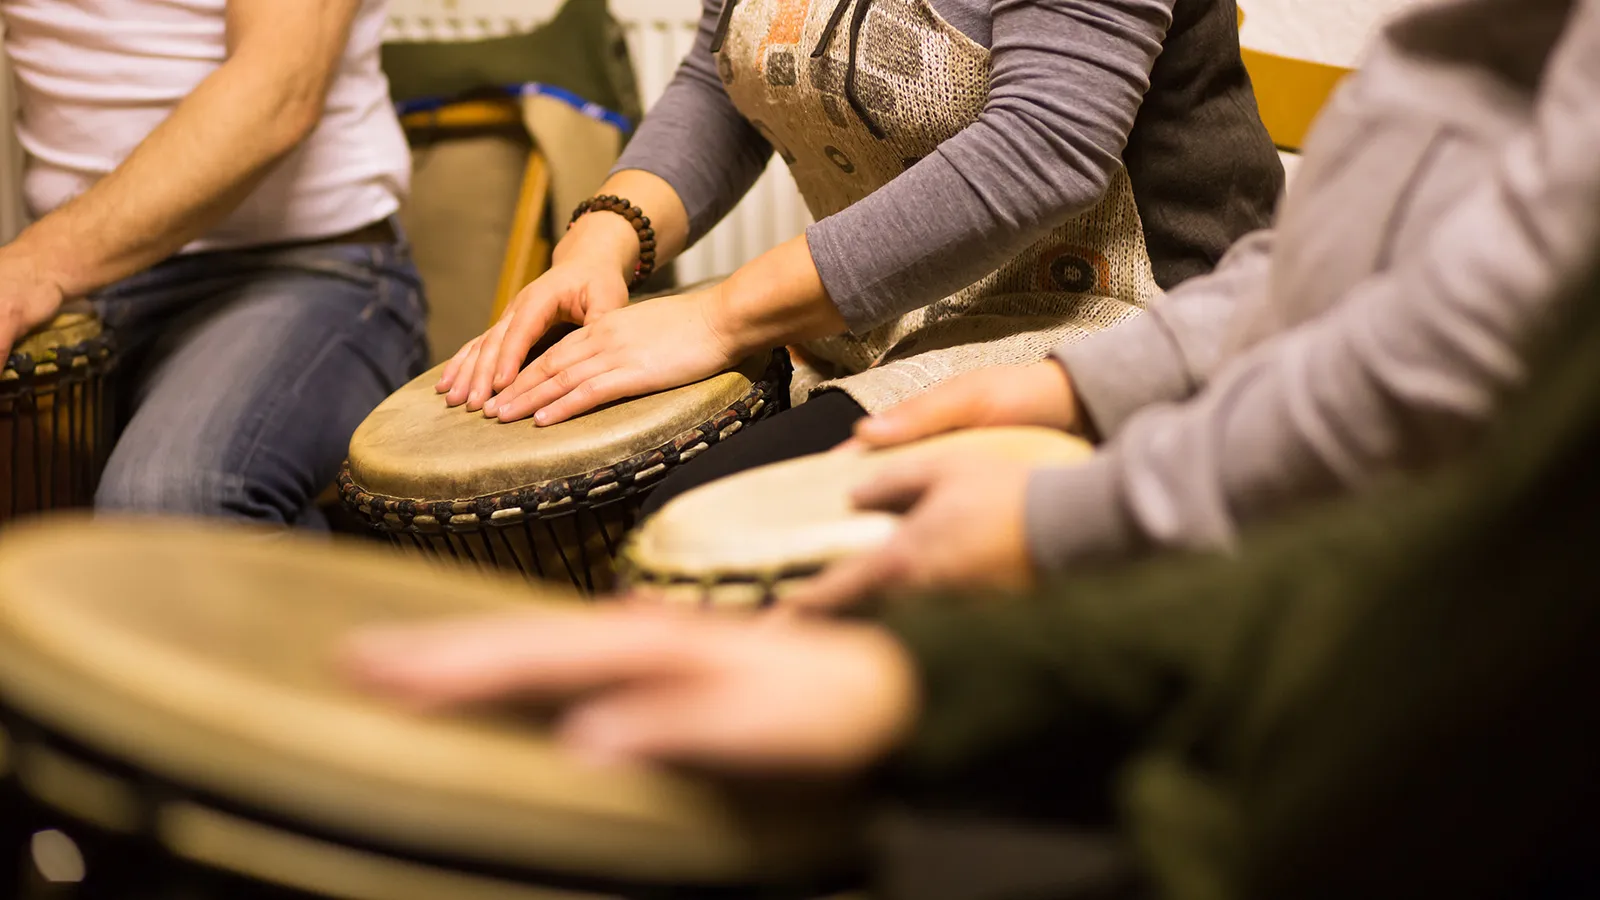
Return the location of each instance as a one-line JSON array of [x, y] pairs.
[[175, 714], [550, 503], [54, 418], [747, 539]]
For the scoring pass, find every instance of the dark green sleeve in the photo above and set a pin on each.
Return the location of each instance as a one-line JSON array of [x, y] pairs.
[[1079, 673]]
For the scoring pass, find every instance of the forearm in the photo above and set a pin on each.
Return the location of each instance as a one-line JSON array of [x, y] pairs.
[[188, 175], [696, 141], [775, 300], [1067, 81]]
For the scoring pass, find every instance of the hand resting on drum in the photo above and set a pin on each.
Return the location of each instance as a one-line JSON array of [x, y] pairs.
[[575, 291], [653, 346], [622, 351], [671, 341], [963, 527], [1039, 394], [27, 297], [639, 684]]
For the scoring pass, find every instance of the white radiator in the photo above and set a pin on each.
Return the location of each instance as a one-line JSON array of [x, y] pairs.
[[660, 33]]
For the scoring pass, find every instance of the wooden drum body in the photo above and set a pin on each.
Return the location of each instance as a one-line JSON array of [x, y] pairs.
[[55, 424], [747, 539], [176, 712], [549, 503]]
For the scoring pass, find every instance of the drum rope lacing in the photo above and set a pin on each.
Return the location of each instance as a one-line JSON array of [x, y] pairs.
[[68, 356]]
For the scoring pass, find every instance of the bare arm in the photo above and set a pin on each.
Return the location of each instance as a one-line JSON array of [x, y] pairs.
[[199, 164]]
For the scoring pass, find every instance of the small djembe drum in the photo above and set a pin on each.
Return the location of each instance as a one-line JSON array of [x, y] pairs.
[[549, 503], [744, 541], [55, 423], [178, 728]]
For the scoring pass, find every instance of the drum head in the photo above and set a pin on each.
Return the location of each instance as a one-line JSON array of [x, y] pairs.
[[795, 517], [415, 447], [205, 658], [66, 330]]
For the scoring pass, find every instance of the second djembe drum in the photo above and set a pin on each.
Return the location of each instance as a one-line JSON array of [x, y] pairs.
[[55, 423]]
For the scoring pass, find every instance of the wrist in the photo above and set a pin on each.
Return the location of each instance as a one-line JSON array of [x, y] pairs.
[[34, 258], [1058, 401], [601, 238]]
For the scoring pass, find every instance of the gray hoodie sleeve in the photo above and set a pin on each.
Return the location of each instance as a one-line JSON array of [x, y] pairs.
[[1404, 372], [1171, 352], [695, 140]]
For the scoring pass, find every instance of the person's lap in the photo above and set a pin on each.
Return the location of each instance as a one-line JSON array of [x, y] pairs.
[[244, 375]]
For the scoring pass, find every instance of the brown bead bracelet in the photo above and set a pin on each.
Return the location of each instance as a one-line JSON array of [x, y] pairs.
[[636, 218]]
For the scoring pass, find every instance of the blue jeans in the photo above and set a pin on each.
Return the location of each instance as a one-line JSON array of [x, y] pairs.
[[244, 373]]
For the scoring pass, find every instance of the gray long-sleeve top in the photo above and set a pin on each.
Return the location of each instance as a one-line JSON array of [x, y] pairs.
[[1449, 200], [1077, 88]]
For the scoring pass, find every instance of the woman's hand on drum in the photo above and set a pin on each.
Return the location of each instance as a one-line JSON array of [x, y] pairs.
[[964, 528], [1039, 394], [648, 347], [653, 685], [576, 291]]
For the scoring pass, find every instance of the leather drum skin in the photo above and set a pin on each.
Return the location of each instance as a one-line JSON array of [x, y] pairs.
[[744, 540], [181, 694], [55, 422], [550, 503]]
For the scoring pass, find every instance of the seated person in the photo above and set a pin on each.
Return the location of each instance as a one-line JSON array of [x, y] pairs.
[[1393, 699], [219, 178], [989, 179], [1442, 207]]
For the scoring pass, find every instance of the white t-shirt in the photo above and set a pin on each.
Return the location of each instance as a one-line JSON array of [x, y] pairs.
[[95, 77]]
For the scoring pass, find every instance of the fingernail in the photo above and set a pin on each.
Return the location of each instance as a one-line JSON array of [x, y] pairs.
[[491, 406], [541, 418]]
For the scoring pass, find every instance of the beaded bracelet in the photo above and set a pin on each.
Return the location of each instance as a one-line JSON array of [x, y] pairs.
[[636, 218]]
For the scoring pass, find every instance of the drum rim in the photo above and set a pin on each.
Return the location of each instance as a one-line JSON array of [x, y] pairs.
[[151, 798], [632, 574], [100, 347], [560, 497]]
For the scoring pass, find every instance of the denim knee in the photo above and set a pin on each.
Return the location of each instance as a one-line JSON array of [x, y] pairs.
[[129, 488]]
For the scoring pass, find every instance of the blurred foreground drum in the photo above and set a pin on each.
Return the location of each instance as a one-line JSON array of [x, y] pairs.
[[54, 421], [745, 540], [174, 711], [550, 503]]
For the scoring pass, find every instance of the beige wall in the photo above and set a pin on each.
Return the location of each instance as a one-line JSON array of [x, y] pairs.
[[1327, 31]]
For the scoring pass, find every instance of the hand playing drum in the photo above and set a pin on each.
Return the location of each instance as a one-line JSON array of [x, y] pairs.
[[760, 537]]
